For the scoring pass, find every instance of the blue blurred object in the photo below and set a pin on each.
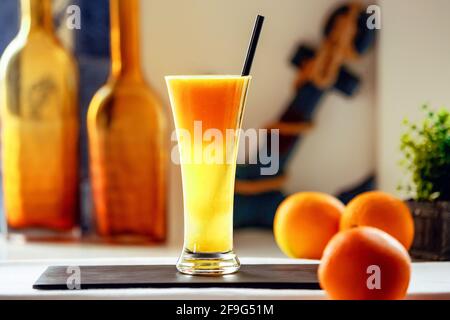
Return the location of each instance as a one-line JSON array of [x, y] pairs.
[[261, 218], [9, 22], [92, 51], [93, 38]]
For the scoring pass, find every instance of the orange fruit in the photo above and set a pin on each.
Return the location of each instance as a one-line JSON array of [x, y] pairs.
[[383, 211], [365, 263], [305, 222]]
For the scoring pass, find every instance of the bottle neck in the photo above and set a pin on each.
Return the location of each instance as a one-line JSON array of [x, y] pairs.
[[36, 15], [125, 44]]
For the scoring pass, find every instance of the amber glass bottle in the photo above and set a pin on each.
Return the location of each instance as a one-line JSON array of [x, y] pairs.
[[39, 119], [127, 141]]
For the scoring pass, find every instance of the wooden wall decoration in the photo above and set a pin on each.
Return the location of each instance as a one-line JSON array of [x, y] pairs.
[[346, 38]]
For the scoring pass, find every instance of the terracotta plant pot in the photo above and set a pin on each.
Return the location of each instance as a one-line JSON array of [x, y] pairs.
[[432, 230]]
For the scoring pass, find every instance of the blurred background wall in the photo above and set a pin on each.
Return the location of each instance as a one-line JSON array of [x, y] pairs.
[[413, 69]]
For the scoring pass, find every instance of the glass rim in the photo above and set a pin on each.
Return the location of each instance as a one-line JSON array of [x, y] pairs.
[[206, 76]]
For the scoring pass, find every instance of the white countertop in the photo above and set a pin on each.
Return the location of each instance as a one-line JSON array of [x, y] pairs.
[[21, 265]]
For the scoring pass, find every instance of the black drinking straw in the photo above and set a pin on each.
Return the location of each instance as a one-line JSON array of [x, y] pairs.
[[252, 46]]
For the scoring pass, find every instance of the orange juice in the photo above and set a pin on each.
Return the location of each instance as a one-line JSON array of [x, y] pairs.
[[206, 110]]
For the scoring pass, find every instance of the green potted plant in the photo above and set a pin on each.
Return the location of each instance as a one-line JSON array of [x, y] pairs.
[[426, 150]]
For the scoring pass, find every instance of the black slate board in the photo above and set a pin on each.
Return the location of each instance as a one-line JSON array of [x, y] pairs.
[[268, 276]]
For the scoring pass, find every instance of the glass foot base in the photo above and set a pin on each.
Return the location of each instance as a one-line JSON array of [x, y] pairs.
[[208, 264]]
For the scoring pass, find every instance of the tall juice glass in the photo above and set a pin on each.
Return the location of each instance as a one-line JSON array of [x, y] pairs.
[[208, 115]]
